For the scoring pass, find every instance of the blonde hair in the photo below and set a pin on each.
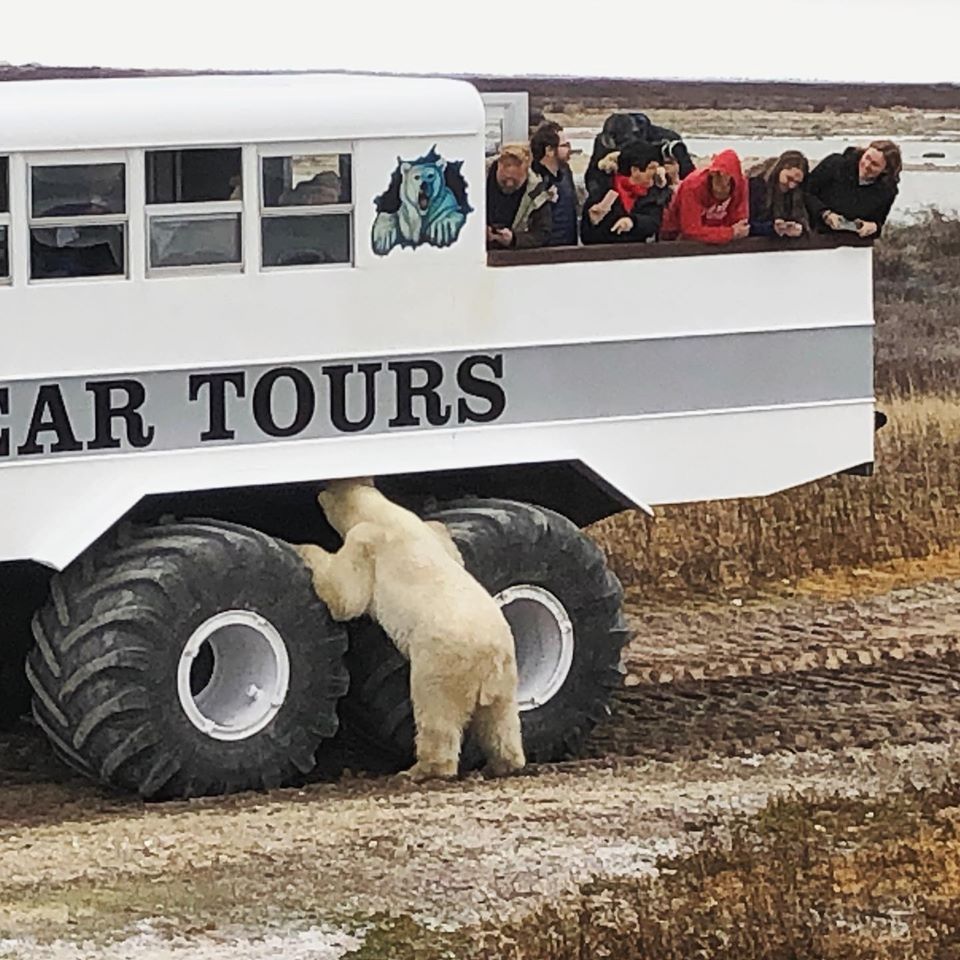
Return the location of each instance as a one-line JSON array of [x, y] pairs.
[[519, 152]]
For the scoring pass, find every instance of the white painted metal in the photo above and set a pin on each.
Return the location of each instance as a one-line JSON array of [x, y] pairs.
[[214, 110], [544, 639], [411, 302], [249, 679]]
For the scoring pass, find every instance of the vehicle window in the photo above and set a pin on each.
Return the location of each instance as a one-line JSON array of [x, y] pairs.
[[194, 207], [4, 220], [78, 218], [91, 189], [306, 209], [187, 242], [193, 176]]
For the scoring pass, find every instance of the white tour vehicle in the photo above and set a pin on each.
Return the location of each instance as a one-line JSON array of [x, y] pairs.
[[220, 291]]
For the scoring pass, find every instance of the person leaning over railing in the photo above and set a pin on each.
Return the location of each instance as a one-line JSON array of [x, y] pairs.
[[711, 205], [777, 206], [518, 202], [628, 205], [551, 162], [855, 190]]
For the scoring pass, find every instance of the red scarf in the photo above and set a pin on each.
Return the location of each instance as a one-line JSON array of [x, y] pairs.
[[628, 191]]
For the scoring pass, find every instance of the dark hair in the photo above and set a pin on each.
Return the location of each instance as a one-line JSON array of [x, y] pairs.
[[546, 135], [891, 153], [788, 160], [618, 128], [637, 153]]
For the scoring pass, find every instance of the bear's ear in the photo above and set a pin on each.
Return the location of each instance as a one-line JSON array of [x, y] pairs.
[[441, 164], [404, 167]]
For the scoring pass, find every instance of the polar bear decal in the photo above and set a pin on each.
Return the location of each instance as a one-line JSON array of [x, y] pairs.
[[426, 202]]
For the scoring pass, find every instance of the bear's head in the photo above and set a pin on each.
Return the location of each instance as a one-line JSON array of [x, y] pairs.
[[421, 182], [342, 501]]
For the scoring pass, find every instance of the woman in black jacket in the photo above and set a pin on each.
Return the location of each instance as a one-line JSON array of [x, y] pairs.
[[777, 207], [626, 205], [855, 190]]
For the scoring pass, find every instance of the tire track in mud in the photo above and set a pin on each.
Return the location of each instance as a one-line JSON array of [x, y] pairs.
[[775, 674]]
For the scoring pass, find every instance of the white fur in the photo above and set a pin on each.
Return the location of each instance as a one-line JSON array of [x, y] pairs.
[[408, 575]]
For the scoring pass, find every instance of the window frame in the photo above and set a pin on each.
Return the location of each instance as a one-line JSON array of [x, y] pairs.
[[79, 158], [6, 280], [307, 148], [194, 210]]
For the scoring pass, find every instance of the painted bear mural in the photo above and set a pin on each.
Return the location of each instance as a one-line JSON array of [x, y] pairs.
[[426, 202]]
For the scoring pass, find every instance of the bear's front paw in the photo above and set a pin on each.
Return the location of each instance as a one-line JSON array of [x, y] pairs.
[[445, 229], [386, 233]]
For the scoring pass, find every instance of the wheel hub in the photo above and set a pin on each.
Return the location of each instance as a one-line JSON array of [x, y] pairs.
[[544, 640], [243, 675]]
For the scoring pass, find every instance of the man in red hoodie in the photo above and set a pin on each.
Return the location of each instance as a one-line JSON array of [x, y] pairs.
[[711, 205]]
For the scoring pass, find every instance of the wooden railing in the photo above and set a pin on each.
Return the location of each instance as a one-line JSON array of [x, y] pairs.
[[668, 248]]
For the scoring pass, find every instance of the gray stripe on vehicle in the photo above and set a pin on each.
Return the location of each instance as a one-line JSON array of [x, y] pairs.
[[541, 384]]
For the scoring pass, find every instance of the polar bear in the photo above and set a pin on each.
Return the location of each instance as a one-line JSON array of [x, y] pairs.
[[420, 206], [408, 575]]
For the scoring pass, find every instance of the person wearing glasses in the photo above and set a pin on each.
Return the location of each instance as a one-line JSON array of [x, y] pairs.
[[551, 162]]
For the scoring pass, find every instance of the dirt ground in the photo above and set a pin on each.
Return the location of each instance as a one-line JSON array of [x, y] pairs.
[[728, 703]]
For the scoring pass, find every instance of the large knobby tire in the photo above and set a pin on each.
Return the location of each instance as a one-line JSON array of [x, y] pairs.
[[114, 688], [549, 566]]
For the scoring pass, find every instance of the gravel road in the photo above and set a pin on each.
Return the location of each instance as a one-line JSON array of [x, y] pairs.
[[726, 705]]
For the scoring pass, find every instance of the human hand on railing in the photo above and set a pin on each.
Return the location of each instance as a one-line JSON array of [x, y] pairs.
[[792, 229], [832, 220], [500, 235], [741, 229], [866, 228], [623, 225]]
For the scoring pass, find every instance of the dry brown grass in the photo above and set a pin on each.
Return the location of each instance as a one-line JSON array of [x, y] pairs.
[[806, 879], [907, 510]]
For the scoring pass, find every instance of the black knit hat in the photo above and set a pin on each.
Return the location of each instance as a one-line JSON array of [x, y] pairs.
[[640, 154]]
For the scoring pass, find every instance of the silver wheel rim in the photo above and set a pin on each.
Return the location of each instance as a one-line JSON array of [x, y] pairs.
[[544, 640], [249, 679]]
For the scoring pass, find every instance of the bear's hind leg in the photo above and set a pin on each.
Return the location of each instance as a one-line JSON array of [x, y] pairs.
[[497, 729], [440, 711]]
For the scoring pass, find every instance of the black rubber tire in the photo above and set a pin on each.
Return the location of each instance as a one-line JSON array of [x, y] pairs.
[[505, 543], [108, 643]]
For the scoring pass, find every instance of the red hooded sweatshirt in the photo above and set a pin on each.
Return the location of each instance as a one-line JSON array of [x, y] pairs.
[[694, 214]]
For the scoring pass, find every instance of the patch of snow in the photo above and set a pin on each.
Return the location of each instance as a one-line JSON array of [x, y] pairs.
[[316, 943]]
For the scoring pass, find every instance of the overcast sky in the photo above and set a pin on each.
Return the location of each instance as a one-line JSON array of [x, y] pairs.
[[843, 40]]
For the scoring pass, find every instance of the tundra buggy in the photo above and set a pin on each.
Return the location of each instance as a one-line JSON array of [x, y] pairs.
[[218, 292]]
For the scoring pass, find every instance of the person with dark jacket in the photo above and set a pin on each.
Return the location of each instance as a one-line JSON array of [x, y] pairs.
[[711, 205], [619, 129], [551, 156], [628, 206], [855, 190], [777, 207], [518, 202]]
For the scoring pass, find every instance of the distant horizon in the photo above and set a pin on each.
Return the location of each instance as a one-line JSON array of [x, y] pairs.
[[7, 66]]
